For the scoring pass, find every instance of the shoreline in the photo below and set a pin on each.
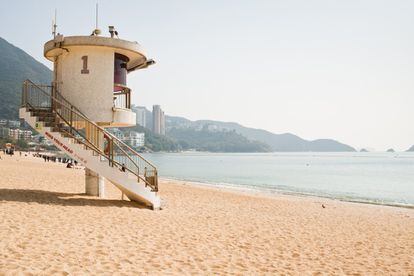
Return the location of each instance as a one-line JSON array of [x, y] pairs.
[[272, 193], [275, 193]]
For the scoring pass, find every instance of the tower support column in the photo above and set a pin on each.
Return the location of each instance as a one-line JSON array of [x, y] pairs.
[[94, 184]]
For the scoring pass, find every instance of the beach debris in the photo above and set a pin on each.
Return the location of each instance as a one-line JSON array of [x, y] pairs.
[[323, 206]]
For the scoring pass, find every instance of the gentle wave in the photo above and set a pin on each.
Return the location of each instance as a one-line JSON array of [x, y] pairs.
[[375, 178], [290, 191]]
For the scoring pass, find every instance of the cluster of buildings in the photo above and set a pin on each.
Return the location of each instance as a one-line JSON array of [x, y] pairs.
[[18, 130], [11, 129], [20, 134], [132, 138], [157, 122]]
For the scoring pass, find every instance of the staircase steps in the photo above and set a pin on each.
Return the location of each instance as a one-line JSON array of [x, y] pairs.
[[139, 181]]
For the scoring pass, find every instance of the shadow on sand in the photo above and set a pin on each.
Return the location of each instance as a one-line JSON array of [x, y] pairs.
[[62, 199]]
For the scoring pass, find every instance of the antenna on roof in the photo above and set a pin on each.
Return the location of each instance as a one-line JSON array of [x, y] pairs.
[[54, 26], [96, 31]]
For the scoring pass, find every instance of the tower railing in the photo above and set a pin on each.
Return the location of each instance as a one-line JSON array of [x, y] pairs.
[[122, 98], [75, 124]]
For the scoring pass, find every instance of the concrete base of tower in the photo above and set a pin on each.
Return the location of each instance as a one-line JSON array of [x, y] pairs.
[[94, 184], [121, 117]]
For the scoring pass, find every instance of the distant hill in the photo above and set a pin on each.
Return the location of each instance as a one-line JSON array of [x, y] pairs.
[[278, 142], [390, 150], [15, 67], [215, 141], [178, 139], [411, 148]]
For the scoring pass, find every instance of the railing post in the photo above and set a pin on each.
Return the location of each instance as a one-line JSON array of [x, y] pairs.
[[156, 181], [111, 152], [145, 176], [71, 119], [52, 96], [129, 98]]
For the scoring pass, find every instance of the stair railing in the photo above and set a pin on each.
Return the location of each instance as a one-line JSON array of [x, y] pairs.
[[79, 127]]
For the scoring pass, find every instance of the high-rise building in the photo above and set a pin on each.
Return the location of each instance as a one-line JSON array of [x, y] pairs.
[[162, 123], [158, 120], [140, 112]]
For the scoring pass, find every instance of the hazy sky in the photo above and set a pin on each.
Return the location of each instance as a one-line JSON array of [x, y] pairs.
[[318, 69]]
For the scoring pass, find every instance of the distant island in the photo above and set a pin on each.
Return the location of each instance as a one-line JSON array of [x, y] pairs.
[[181, 134], [411, 148], [364, 150], [390, 150]]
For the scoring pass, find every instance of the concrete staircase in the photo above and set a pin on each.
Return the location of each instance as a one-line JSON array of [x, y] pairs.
[[92, 146]]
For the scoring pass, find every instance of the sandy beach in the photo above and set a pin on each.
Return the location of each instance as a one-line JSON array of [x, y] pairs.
[[47, 226]]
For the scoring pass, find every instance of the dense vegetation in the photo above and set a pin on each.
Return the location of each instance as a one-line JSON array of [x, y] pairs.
[[277, 142], [204, 140], [15, 67], [221, 141]]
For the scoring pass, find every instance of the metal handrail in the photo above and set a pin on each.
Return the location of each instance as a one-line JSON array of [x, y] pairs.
[[122, 98], [76, 119], [92, 147]]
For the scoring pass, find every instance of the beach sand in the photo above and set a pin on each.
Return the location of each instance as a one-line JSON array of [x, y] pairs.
[[48, 227]]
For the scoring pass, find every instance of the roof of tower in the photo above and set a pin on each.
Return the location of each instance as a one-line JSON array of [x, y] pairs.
[[132, 50]]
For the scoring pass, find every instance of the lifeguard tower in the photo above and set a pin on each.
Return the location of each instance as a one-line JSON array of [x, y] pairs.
[[89, 93]]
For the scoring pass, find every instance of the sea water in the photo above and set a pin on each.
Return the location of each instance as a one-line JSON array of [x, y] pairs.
[[382, 178]]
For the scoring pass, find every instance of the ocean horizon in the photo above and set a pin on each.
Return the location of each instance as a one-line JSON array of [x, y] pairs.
[[383, 178]]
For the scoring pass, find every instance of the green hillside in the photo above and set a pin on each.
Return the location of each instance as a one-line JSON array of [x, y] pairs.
[[15, 67], [222, 141], [285, 142]]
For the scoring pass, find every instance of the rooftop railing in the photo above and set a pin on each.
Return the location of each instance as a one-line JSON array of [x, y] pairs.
[[122, 98]]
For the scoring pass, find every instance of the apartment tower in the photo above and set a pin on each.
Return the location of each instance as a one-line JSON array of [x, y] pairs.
[[158, 120]]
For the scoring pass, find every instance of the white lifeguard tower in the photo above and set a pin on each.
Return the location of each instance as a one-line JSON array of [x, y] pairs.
[[91, 73], [89, 93]]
